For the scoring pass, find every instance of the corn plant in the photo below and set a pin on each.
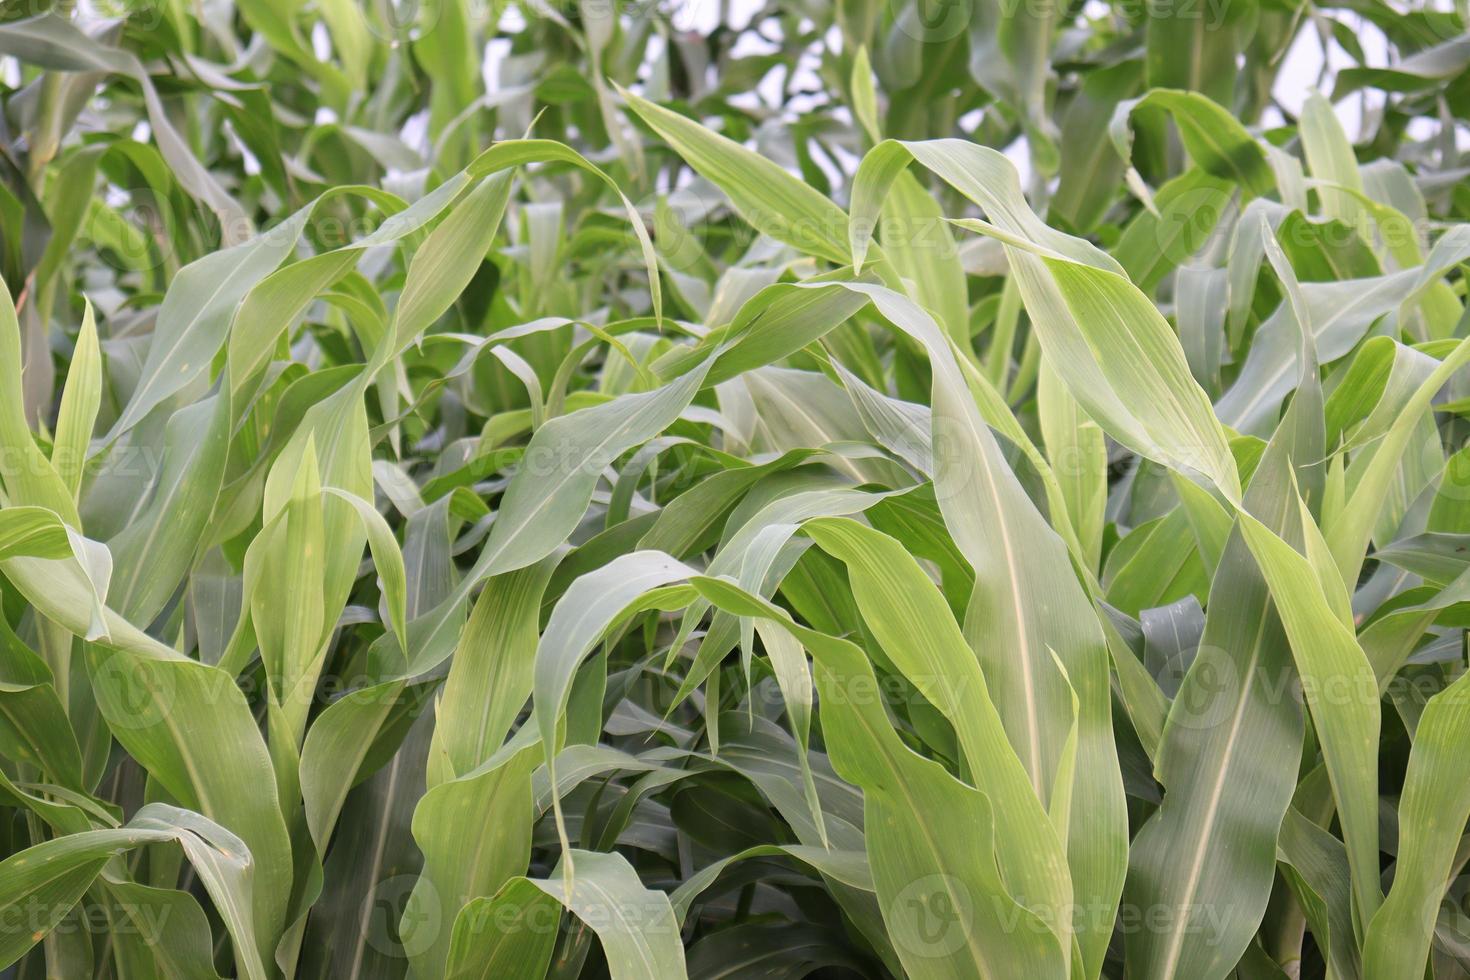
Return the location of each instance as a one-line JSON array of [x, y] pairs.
[[559, 490]]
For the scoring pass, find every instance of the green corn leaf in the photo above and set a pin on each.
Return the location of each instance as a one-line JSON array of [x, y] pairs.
[[1430, 811], [772, 200], [1214, 139], [461, 467], [79, 404], [57, 873]]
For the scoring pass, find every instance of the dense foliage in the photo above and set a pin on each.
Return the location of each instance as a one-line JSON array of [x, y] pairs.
[[944, 488]]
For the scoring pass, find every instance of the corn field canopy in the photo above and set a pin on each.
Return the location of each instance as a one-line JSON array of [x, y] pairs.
[[648, 491]]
